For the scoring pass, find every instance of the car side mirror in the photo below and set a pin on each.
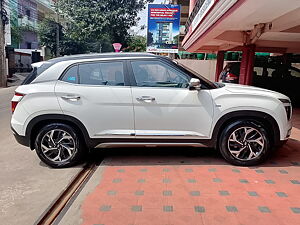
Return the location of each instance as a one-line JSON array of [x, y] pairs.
[[195, 84]]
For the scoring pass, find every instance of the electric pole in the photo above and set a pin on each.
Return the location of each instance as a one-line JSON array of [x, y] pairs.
[[57, 29], [3, 21]]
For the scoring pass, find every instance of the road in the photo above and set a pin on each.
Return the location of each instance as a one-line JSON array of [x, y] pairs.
[[27, 186]]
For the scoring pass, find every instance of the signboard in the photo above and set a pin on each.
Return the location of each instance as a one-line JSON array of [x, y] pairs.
[[206, 5], [163, 28]]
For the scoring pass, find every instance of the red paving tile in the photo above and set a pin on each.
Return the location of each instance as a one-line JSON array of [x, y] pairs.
[[165, 190]]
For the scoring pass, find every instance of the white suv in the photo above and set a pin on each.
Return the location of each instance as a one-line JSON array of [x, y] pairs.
[[69, 105]]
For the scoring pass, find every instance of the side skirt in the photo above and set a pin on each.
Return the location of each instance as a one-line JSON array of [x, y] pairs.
[[128, 142]]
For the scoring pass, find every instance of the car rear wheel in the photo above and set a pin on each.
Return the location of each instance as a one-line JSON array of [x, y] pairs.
[[245, 143], [58, 145]]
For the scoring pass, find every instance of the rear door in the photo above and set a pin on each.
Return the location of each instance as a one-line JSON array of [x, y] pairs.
[[98, 94]]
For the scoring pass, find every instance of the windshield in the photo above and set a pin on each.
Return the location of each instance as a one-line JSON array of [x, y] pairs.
[[208, 82]]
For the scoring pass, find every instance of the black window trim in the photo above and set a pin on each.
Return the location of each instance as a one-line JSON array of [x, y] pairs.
[[125, 72]]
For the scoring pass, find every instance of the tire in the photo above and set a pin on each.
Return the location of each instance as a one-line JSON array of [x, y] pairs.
[[58, 145], [234, 146]]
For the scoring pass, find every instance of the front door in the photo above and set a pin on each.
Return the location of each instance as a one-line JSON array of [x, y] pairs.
[[165, 107], [96, 93]]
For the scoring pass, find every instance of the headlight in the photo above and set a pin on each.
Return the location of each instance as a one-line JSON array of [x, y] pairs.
[[284, 100], [287, 107]]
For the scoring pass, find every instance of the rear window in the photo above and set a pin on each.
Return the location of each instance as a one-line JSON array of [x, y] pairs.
[[35, 72], [97, 73]]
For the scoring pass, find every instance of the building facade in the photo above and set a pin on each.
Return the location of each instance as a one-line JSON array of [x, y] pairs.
[[25, 16]]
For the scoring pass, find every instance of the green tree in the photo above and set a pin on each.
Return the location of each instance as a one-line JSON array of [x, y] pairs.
[[101, 21], [47, 34], [67, 46], [136, 44]]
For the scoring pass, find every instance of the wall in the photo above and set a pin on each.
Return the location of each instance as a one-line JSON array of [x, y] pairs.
[[31, 37], [206, 68]]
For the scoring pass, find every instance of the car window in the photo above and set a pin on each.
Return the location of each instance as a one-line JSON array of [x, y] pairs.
[[102, 73], [157, 74], [71, 75]]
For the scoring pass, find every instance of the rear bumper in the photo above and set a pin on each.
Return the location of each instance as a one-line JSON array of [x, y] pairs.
[[23, 140]]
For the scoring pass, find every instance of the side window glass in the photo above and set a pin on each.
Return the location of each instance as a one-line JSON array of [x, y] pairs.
[[157, 74], [71, 75], [102, 73]]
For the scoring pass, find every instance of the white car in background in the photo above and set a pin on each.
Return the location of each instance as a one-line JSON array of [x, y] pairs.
[[69, 105]]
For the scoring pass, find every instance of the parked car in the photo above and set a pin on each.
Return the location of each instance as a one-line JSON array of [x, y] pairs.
[[231, 73], [69, 105]]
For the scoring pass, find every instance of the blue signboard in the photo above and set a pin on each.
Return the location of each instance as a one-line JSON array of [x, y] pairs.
[[163, 28]]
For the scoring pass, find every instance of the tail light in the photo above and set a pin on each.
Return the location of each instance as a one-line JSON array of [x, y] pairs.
[[231, 76], [16, 99]]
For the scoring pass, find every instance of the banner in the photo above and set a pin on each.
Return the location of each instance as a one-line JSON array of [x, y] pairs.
[[163, 28]]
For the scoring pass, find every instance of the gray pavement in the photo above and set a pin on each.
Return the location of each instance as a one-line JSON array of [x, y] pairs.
[[27, 186]]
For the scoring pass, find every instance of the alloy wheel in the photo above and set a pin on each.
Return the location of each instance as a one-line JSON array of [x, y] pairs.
[[246, 143], [58, 145]]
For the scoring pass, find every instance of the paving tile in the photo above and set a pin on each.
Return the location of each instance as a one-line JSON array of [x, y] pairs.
[[139, 193], [295, 181], [230, 208], [236, 170], [283, 172], [193, 197], [166, 180], [224, 193], [168, 208], [111, 192], [105, 208], [199, 209], [281, 194], [252, 193], [217, 180], [191, 181], [295, 210], [270, 181], [136, 208], [167, 193], [117, 180], [264, 209], [259, 171], [244, 181], [195, 193]]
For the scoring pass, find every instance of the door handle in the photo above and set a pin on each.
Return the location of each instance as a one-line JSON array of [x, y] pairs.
[[71, 97], [146, 98]]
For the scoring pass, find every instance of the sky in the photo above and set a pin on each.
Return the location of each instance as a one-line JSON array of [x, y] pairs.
[[143, 21]]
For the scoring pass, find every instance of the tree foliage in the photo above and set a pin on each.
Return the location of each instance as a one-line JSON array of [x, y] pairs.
[[47, 34], [101, 21], [136, 44]]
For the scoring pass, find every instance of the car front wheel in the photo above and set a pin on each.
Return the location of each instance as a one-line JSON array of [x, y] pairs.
[[245, 143], [58, 145]]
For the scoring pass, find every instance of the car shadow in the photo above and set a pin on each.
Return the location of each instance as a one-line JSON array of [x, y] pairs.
[[288, 155]]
